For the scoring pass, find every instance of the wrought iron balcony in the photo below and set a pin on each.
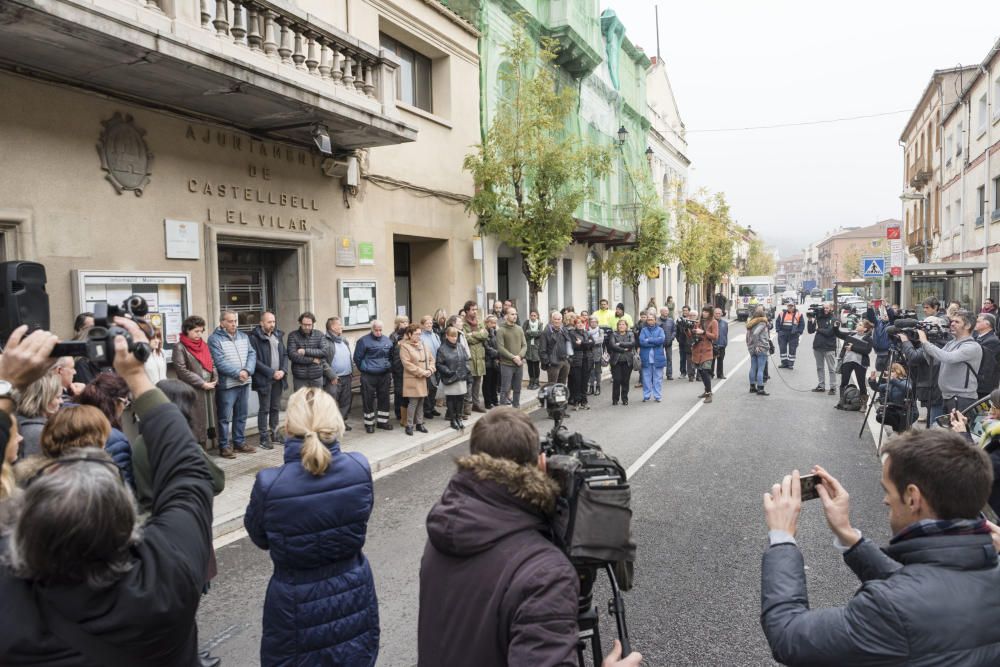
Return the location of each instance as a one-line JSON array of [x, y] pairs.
[[262, 66]]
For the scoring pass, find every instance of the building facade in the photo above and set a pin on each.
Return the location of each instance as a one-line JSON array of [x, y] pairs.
[[597, 59], [839, 256], [250, 156]]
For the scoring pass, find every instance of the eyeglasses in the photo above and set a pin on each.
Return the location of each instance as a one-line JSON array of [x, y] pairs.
[[71, 460]]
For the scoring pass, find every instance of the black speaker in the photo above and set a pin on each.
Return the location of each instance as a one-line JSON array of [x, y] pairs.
[[23, 299]]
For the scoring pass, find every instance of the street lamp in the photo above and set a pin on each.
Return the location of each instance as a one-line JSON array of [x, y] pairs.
[[622, 135], [917, 196]]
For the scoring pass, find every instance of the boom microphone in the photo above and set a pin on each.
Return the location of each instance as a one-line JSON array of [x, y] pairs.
[[906, 324]]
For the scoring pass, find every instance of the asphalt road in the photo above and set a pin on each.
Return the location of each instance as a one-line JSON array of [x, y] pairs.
[[697, 520]]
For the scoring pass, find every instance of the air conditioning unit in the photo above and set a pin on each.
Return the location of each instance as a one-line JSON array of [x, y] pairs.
[[346, 169]]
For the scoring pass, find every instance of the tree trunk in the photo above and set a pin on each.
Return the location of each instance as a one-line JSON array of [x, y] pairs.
[[533, 291], [635, 299]]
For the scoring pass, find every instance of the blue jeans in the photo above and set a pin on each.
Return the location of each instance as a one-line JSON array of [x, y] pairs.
[[652, 380], [668, 350], [757, 363], [231, 405]]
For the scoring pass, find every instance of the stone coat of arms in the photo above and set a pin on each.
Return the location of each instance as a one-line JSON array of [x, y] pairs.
[[124, 155]]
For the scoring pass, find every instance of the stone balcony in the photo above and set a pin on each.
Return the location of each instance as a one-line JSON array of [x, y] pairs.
[[262, 66]]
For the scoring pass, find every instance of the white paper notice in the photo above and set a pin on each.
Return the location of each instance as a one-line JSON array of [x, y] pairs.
[[172, 321], [352, 317], [362, 315], [152, 300], [169, 295], [357, 294]]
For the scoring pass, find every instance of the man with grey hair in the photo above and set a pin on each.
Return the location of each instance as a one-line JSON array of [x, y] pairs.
[[554, 350], [959, 361], [65, 370], [985, 334], [373, 357], [235, 360], [338, 369], [80, 584]]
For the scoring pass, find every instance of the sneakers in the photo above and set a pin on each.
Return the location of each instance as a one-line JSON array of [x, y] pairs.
[[819, 389], [708, 398], [753, 389], [384, 427], [227, 453], [409, 430], [762, 392], [832, 392], [703, 394], [478, 408], [421, 428], [264, 444], [245, 449]]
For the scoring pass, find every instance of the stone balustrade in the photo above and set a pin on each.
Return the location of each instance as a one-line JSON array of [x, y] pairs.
[[276, 32]]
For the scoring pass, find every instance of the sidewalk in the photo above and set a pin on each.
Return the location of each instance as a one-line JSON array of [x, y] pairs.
[[382, 448]]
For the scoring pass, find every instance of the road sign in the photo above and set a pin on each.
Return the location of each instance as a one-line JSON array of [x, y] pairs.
[[897, 271], [892, 232], [873, 267]]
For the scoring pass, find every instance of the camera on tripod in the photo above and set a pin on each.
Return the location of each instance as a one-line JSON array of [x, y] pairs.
[[688, 326], [23, 300], [936, 333], [594, 528]]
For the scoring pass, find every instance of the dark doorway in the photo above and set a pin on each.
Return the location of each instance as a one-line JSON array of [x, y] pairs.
[[401, 264], [254, 279], [503, 278]]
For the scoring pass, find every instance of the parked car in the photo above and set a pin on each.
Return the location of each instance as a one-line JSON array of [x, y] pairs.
[[854, 305], [817, 293], [789, 296]]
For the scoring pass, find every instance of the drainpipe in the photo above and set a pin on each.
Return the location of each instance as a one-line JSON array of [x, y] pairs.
[[965, 157], [987, 210]]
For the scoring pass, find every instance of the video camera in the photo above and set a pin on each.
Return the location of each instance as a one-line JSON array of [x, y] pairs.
[[815, 310], [23, 300], [936, 334], [595, 528], [688, 325]]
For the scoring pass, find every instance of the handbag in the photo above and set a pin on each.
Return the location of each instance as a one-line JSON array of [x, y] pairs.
[[636, 362], [605, 358], [770, 346]]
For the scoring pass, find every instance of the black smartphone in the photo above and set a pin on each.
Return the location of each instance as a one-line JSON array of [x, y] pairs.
[[808, 484]]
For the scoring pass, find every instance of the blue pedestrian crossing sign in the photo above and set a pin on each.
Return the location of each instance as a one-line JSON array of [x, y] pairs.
[[873, 267]]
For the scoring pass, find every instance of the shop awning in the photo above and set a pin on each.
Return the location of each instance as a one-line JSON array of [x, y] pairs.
[[262, 67]]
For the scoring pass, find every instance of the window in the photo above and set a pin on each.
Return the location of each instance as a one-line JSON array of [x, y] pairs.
[[996, 96], [981, 195], [413, 80], [982, 114], [959, 138], [996, 198], [956, 212], [947, 216], [949, 147]]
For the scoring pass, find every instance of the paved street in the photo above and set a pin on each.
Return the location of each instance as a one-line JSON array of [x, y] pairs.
[[697, 520]]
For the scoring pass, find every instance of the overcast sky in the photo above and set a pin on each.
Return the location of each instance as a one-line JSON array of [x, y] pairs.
[[734, 64]]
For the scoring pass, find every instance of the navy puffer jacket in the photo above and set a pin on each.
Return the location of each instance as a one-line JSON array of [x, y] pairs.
[[320, 607], [120, 450]]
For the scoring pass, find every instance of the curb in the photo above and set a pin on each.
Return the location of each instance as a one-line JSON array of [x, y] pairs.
[[232, 522]]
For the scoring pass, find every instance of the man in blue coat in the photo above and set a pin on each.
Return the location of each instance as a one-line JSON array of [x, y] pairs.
[[790, 326], [931, 598], [269, 379], [373, 357], [720, 343], [236, 361]]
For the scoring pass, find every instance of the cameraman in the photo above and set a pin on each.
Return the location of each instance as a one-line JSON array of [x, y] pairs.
[[959, 362], [824, 346], [494, 590]]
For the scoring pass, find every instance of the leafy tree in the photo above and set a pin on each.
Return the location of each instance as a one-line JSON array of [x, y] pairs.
[[630, 264], [530, 174], [760, 262], [704, 239]]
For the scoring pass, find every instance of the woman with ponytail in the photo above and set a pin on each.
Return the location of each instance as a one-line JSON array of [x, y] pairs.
[[312, 514]]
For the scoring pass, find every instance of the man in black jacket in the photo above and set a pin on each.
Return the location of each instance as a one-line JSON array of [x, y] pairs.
[[931, 598], [554, 348], [307, 352], [986, 335], [824, 347], [128, 601], [269, 376], [494, 590]]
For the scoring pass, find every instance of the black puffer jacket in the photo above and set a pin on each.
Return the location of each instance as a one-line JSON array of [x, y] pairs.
[[452, 362], [826, 339], [923, 373], [926, 601], [313, 346], [490, 575], [583, 344], [621, 347]]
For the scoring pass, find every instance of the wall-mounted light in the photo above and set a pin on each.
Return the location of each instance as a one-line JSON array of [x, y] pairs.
[[622, 135], [321, 137]]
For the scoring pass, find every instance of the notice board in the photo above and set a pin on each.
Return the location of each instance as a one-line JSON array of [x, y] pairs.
[[358, 303]]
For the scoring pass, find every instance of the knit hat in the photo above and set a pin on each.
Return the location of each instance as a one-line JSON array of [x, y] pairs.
[[620, 305]]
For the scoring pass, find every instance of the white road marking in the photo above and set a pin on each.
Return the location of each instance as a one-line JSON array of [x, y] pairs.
[[663, 439]]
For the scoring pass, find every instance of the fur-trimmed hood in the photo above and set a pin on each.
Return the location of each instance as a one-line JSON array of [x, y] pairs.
[[488, 499]]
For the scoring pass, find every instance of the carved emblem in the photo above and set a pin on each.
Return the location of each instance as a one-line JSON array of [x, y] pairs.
[[124, 154]]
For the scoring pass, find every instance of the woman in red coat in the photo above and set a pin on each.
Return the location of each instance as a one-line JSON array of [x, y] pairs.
[[703, 351]]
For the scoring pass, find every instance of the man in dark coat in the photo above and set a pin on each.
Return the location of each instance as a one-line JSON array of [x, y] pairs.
[[373, 357], [669, 332], [268, 378], [986, 335], [931, 598], [554, 349], [494, 590], [307, 352]]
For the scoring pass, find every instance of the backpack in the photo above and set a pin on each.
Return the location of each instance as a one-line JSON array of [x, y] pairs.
[[986, 375], [851, 399]]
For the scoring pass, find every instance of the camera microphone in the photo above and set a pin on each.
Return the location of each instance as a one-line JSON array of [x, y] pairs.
[[906, 324], [892, 330]]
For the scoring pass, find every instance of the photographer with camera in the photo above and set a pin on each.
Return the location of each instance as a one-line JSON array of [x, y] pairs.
[[494, 590], [931, 598], [959, 362], [855, 358], [824, 345], [80, 583]]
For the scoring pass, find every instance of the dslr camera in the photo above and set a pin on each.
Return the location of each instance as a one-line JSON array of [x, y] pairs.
[[688, 325]]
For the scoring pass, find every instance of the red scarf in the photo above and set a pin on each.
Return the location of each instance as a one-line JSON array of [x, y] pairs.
[[199, 349]]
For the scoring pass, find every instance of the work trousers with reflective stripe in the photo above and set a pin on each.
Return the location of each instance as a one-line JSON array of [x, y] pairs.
[[788, 343], [375, 395]]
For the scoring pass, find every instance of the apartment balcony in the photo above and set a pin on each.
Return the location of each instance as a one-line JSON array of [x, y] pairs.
[[578, 32], [262, 66], [919, 173]]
